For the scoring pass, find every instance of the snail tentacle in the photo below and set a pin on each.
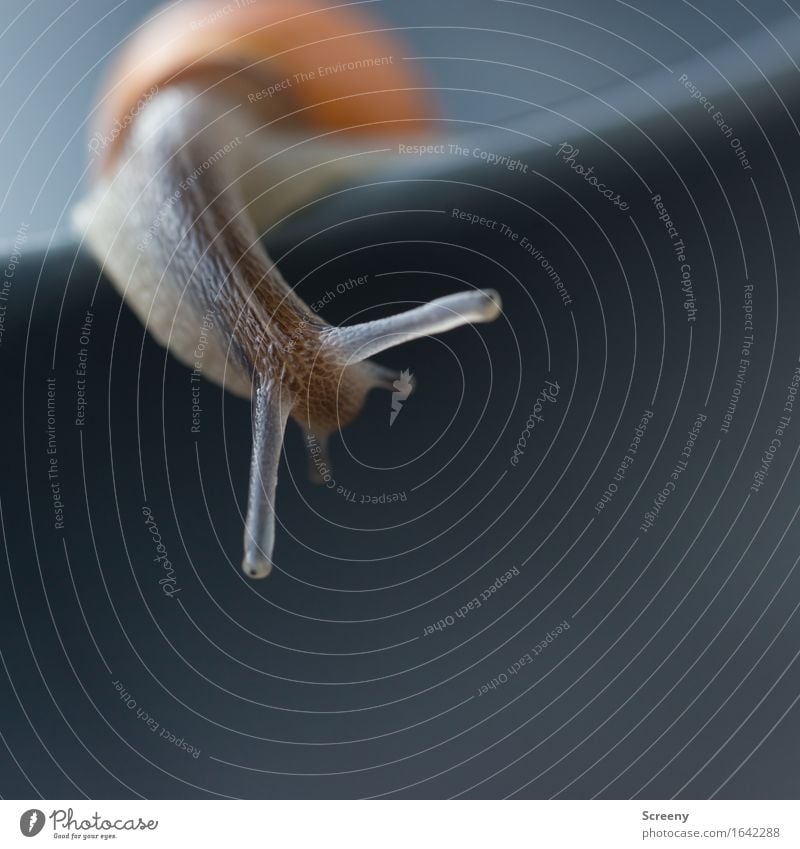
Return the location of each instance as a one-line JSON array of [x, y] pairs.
[[357, 342], [319, 460], [272, 405]]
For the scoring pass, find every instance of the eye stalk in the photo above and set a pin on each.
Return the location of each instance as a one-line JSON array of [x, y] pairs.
[[342, 354]]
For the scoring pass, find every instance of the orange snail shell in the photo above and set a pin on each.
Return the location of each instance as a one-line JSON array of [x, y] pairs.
[[261, 43]]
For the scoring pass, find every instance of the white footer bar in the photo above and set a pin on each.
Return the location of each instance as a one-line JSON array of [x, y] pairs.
[[402, 824]]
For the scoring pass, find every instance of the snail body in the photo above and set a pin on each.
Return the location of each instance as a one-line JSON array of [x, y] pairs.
[[207, 146]]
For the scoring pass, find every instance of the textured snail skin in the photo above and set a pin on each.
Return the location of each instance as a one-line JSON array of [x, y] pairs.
[[184, 189]]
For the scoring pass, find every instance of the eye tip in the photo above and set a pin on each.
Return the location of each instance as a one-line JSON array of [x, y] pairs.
[[256, 569], [492, 303]]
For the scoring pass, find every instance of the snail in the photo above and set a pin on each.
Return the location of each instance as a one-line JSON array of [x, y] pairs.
[[216, 122]]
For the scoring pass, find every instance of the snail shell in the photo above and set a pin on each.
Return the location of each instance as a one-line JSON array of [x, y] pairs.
[[217, 122]]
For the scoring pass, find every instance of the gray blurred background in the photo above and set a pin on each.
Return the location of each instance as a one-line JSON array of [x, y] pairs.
[[678, 674], [52, 59]]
